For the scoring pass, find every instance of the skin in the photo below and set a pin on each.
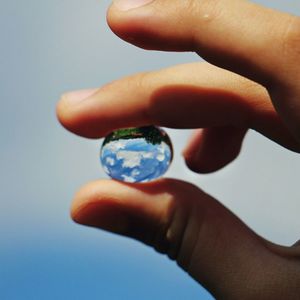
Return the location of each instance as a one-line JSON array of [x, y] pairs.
[[250, 80]]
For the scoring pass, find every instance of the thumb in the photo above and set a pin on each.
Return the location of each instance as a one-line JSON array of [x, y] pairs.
[[178, 219]]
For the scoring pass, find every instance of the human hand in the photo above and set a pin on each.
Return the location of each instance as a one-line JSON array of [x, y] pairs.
[[260, 48]]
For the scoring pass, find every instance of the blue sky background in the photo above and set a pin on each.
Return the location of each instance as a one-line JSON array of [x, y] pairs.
[[47, 48]]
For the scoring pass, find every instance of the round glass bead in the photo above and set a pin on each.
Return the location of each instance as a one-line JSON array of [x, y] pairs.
[[136, 154]]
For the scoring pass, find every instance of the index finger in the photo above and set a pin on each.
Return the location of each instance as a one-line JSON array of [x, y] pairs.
[[186, 96]]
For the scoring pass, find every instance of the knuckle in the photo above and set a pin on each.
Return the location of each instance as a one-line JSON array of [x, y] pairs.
[[207, 9], [150, 84], [175, 231], [202, 14], [291, 39], [287, 54], [142, 87], [141, 80], [182, 232], [166, 236], [170, 235], [136, 82]]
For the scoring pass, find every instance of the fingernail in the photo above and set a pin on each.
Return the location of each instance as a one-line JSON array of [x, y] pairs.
[[78, 96], [130, 4]]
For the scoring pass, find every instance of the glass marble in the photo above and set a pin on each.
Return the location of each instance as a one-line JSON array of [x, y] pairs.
[[136, 154]]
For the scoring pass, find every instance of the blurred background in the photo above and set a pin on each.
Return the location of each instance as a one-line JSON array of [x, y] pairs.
[[46, 49]]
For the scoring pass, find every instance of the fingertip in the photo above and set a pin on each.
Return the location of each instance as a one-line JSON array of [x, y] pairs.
[[118, 23], [211, 149], [205, 166], [193, 143], [63, 112], [119, 194], [96, 206], [75, 108], [73, 98], [193, 154], [88, 194], [140, 29], [81, 200]]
